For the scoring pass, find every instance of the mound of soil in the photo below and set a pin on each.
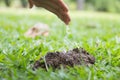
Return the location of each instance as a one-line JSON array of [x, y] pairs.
[[71, 58]]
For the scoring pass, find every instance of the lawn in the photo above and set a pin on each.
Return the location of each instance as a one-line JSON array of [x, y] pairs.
[[98, 33]]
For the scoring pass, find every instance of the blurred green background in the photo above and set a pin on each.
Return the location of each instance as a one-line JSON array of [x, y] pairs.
[[89, 5]]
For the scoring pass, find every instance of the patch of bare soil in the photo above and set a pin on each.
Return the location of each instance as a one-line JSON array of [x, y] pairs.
[[39, 29], [71, 58]]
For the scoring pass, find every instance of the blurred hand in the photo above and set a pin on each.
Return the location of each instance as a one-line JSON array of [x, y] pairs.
[[55, 6]]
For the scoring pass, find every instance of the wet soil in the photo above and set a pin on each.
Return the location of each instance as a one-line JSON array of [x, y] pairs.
[[71, 58]]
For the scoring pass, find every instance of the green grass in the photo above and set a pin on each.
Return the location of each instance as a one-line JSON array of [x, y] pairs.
[[98, 33]]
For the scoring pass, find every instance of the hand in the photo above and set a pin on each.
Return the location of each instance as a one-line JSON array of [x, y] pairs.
[[55, 6]]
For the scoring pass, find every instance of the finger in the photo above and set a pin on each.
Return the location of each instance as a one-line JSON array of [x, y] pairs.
[[53, 11], [66, 18], [50, 3], [30, 3], [58, 9], [61, 4], [57, 4], [62, 15], [52, 7]]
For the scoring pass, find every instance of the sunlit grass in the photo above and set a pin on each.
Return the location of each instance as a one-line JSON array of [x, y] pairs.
[[98, 33]]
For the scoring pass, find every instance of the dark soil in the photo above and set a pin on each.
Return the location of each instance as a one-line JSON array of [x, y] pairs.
[[71, 58]]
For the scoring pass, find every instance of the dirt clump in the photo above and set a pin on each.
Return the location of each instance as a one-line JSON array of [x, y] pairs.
[[71, 58], [39, 29]]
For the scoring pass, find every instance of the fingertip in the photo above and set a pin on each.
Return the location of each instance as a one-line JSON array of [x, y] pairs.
[[67, 22], [67, 19]]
